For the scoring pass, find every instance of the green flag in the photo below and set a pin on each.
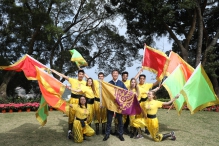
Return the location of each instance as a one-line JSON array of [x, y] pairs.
[[77, 58], [42, 112], [174, 84], [198, 91]]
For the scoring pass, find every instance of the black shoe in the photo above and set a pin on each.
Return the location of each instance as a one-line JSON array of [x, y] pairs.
[[105, 137], [121, 138], [126, 131], [146, 131], [131, 135], [84, 137]]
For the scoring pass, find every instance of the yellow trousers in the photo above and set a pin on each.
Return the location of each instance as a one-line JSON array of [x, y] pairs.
[[79, 131], [71, 117], [100, 113], [90, 108], [152, 125]]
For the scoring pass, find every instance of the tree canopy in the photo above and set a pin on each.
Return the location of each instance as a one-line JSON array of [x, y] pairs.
[[48, 29]]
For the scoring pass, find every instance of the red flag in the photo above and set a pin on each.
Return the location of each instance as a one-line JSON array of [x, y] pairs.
[[27, 65], [155, 61], [175, 60], [52, 90]]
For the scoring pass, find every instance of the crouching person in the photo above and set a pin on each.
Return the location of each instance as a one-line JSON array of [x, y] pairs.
[[150, 109], [80, 126]]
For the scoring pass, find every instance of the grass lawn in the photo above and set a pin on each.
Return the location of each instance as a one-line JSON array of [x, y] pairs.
[[18, 129]]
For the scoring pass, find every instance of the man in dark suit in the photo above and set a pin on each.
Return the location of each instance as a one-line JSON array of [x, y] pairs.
[[116, 82]]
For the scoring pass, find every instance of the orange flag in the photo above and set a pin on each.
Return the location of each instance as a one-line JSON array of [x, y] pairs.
[[175, 60], [52, 90], [155, 61], [27, 65]]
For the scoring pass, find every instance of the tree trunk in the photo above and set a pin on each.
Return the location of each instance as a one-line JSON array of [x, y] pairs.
[[215, 85], [6, 79], [200, 35]]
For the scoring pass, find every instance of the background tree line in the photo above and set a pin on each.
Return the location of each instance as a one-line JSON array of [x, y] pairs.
[[48, 29]]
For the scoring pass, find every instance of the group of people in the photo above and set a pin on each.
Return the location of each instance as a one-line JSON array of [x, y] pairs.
[[85, 107]]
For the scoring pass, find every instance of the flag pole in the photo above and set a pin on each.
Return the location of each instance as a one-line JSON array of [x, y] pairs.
[[170, 108], [100, 92], [145, 46]]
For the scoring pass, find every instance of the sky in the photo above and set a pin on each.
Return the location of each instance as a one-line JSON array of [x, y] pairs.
[[163, 44], [150, 77]]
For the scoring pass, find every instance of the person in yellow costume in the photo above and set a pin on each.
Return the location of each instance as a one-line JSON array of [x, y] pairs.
[[81, 127], [75, 84], [89, 92], [100, 111], [125, 118], [134, 88], [150, 120], [144, 88]]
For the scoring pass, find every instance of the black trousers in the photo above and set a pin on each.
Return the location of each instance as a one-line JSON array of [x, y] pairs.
[[109, 122], [126, 124]]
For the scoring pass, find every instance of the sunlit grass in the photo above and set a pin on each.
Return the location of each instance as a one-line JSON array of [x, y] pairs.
[[23, 129]]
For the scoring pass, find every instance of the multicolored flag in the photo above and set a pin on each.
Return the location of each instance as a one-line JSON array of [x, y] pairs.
[[175, 60], [52, 90], [155, 61], [174, 84], [42, 112], [77, 58], [198, 91], [27, 65], [119, 100]]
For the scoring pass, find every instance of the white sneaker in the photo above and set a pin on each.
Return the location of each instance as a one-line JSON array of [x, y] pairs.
[[69, 134], [139, 136]]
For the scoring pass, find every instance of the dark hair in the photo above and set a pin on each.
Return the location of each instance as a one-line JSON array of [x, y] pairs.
[[100, 73], [115, 70], [142, 75], [80, 71], [92, 86], [125, 72], [80, 103]]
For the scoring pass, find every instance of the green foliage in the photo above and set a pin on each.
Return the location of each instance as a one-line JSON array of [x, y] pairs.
[[46, 30], [212, 64], [163, 99]]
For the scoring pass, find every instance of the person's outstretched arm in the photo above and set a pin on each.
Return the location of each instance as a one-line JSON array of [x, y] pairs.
[[171, 101], [138, 74], [59, 74]]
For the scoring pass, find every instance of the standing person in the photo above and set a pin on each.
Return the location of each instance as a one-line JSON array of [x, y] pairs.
[[125, 80], [89, 92], [115, 81], [75, 84], [100, 112], [81, 127], [150, 109], [134, 88]]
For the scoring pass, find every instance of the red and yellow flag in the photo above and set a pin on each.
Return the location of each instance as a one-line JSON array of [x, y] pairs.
[[27, 65], [52, 90], [155, 61], [175, 60]]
